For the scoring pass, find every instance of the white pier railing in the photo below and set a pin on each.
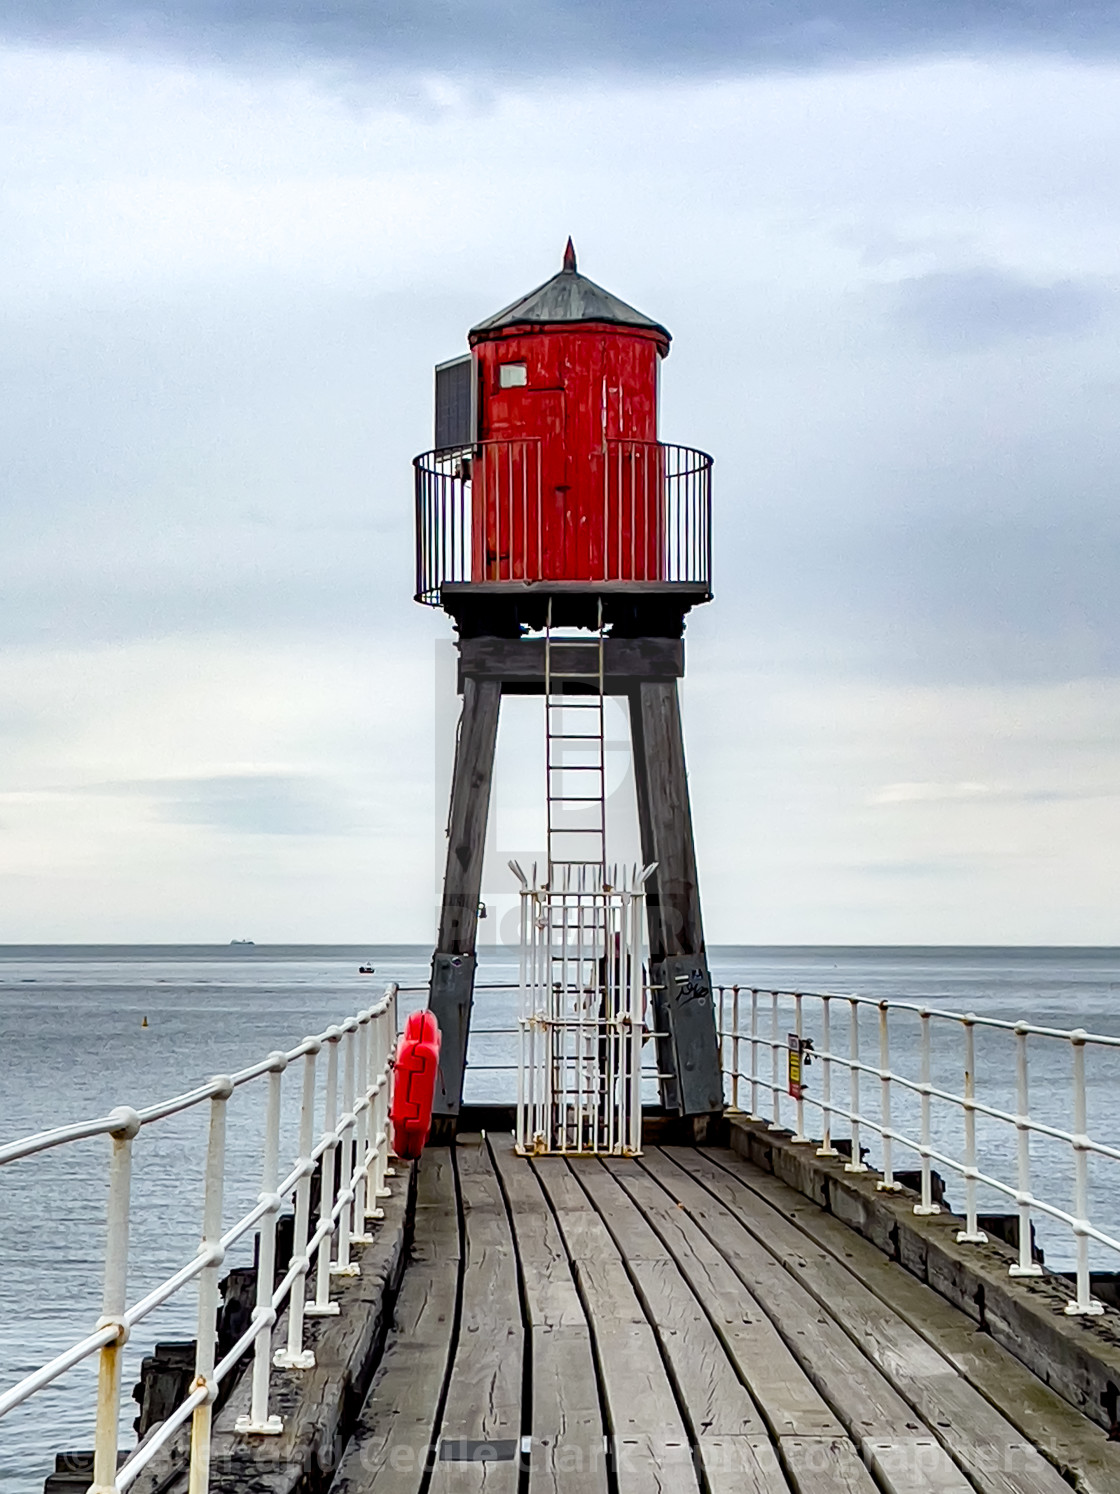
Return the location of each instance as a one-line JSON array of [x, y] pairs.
[[952, 1089], [352, 1099]]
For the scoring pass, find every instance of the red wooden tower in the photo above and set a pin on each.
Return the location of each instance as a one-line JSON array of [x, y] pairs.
[[567, 406], [549, 501], [548, 480]]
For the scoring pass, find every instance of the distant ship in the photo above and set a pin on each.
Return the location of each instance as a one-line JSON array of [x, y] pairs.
[[240, 943]]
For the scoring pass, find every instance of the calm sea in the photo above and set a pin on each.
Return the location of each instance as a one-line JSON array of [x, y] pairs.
[[74, 1045]]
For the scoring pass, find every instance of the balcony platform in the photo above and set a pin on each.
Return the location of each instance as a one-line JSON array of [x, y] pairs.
[[632, 609]]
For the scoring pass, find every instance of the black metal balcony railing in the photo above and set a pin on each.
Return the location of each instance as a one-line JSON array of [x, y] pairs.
[[637, 513]]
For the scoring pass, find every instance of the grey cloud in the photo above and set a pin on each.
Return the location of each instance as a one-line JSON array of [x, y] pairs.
[[1033, 597], [949, 866], [103, 609], [263, 482], [248, 803], [251, 804], [508, 37], [931, 597], [960, 310], [977, 795]]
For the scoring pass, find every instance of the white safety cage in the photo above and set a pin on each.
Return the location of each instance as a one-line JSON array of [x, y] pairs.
[[583, 987]]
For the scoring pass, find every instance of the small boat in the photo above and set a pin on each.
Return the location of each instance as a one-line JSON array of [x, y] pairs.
[[365, 970], [241, 943]]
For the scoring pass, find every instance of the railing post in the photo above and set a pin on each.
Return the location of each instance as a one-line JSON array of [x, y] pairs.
[[927, 1205], [389, 1171], [799, 1103], [972, 1234], [1026, 1264], [207, 1343], [735, 1041], [826, 1148], [886, 1183], [344, 1266], [775, 1067], [364, 1100], [114, 1303], [323, 1307], [856, 1162], [387, 1041], [1085, 1304], [295, 1356], [754, 1052], [720, 1010], [259, 1422], [378, 1049]]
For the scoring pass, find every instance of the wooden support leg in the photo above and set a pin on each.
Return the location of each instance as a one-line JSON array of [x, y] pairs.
[[453, 964], [684, 1009]]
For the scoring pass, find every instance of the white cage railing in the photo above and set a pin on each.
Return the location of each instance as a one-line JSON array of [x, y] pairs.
[[579, 1081], [353, 1103], [953, 1089]]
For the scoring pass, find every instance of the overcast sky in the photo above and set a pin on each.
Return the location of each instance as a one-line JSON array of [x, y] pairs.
[[234, 242]]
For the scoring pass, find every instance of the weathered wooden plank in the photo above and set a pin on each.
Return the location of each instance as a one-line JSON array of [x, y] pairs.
[[484, 1393], [981, 1441], [825, 1465], [790, 1403], [1075, 1445], [713, 1395], [586, 1238], [550, 1292], [862, 1398], [832, 1387], [436, 1229], [650, 1447], [567, 1451], [551, 1298], [742, 1465], [568, 1448], [913, 1463], [392, 1438]]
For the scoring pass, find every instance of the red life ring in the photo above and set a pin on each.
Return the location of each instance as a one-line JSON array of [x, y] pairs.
[[414, 1084]]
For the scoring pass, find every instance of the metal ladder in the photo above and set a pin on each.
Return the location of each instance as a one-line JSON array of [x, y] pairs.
[[577, 930], [579, 1071], [574, 729]]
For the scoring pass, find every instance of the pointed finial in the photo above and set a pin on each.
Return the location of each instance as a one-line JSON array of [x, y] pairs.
[[570, 256]]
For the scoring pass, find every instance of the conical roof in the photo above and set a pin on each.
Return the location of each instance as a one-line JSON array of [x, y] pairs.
[[567, 297]]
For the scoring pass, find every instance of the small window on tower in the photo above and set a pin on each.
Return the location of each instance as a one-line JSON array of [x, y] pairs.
[[512, 376]]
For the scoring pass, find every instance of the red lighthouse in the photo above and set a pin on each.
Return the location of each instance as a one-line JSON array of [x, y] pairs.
[[548, 507], [549, 482]]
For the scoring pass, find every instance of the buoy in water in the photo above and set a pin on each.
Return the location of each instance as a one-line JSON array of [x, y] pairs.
[[144, 1023]]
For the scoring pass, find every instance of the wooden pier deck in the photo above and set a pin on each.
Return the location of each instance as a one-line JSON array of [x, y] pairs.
[[684, 1323]]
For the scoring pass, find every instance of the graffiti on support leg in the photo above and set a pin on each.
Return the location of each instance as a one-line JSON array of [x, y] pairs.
[[693, 987]]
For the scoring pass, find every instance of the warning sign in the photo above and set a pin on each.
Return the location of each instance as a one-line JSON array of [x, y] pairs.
[[795, 1086]]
